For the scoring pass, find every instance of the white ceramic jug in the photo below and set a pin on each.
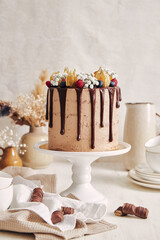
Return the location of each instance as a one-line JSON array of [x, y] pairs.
[[139, 127]]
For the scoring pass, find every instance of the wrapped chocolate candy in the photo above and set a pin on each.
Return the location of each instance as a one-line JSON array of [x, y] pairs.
[[37, 195]]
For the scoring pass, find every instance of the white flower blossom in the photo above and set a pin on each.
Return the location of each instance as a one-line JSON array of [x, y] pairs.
[[9, 137], [56, 79]]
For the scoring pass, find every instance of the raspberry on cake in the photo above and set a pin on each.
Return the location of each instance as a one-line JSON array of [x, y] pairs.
[[82, 110]]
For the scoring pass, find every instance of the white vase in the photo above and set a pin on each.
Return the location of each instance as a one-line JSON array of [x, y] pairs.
[[31, 157], [138, 129]]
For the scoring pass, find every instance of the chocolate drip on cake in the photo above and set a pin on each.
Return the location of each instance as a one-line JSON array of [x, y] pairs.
[[79, 103], [102, 94], [93, 102], [51, 108], [62, 98], [111, 100], [118, 97], [47, 105]]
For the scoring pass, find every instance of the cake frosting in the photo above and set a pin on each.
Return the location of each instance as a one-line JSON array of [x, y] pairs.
[[82, 111]]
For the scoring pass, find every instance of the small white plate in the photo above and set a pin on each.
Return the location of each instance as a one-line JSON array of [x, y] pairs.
[[147, 185], [146, 171], [132, 173], [148, 178]]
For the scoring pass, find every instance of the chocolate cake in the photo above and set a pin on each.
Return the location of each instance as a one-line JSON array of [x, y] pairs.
[[82, 111]]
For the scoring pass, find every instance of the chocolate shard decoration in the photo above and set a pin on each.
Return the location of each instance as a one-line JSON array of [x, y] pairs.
[[79, 103], [93, 102], [62, 97]]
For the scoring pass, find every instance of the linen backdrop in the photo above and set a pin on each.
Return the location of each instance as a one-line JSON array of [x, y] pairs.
[[123, 35]]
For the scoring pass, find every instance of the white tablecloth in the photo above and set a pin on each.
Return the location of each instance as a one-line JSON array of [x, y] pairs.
[[110, 177]]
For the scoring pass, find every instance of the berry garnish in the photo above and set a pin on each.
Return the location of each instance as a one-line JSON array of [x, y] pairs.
[[63, 84], [100, 84], [115, 80], [63, 79], [79, 84], [112, 84], [48, 84]]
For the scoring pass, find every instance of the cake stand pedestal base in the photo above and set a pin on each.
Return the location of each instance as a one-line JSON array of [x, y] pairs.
[[81, 177], [85, 192], [81, 169]]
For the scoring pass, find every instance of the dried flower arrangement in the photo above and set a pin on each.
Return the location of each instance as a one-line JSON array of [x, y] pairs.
[[29, 109]]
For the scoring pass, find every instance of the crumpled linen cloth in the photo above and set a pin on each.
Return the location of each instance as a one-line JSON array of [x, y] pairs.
[[28, 221], [86, 212]]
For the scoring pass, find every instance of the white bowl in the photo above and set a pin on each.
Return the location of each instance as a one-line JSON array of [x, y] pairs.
[[153, 153], [6, 195], [5, 180]]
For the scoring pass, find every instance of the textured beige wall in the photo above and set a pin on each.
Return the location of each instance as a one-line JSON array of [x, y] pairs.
[[123, 35]]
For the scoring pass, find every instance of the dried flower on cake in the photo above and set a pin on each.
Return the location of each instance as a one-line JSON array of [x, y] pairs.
[[104, 76], [71, 78], [56, 78]]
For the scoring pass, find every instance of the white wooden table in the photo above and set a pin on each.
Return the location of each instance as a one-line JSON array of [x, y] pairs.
[[110, 178]]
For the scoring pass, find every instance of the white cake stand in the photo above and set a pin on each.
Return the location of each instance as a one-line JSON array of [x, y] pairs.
[[81, 168]]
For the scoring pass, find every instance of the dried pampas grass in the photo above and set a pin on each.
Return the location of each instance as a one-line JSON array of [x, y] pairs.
[[30, 109]]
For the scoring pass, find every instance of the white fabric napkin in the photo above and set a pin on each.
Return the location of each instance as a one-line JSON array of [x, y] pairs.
[[88, 212]]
